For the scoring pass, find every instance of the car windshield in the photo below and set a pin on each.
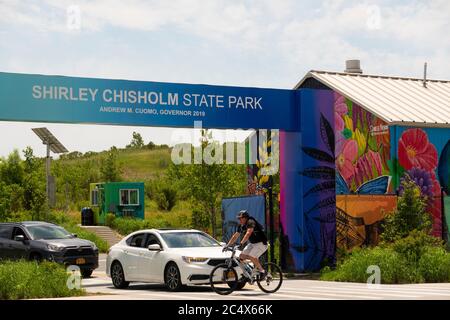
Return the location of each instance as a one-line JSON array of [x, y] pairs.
[[188, 240], [46, 232]]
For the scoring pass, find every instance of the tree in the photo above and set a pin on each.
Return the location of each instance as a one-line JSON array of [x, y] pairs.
[[200, 219], [34, 187], [151, 145], [410, 214], [12, 170], [166, 197], [136, 142], [110, 169], [208, 182]]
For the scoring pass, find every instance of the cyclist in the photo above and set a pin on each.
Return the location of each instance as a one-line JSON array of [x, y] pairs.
[[256, 238]]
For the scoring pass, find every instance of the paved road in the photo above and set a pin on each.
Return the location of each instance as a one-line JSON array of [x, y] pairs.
[[101, 286]]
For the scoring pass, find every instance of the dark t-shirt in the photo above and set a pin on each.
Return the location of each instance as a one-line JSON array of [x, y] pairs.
[[257, 234]]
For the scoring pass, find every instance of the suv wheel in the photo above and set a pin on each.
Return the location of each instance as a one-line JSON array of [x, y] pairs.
[[86, 273], [35, 257], [118, 276]]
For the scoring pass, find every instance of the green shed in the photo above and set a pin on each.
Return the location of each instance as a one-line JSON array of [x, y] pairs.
[[124, 199]]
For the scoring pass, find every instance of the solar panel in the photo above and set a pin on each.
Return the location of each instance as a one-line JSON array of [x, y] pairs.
[[48, 138]]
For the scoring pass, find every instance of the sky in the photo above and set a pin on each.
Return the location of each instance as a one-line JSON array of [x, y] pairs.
[[260, 43]]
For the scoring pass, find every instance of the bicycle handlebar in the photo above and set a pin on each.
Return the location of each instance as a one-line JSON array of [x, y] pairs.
[[231, 248]]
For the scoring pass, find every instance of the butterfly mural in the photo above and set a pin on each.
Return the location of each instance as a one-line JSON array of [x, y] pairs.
[[379, 185]]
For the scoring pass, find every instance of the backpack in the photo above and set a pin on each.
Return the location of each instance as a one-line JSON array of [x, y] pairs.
[[260, 230]]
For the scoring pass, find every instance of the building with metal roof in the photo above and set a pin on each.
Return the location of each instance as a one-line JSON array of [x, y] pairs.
[[361, 136], [396, 100]]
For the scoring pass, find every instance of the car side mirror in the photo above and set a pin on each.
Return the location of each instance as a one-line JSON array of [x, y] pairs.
[[154, 247], [20, 238], [74, 235]]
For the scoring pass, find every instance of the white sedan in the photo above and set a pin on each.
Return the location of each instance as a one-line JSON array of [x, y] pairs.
[[173, 257]]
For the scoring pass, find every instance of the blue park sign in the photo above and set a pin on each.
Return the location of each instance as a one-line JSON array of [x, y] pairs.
[[42, 98]]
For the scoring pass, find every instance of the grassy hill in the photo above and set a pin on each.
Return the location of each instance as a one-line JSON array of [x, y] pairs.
[[137, 164], [142, 165]]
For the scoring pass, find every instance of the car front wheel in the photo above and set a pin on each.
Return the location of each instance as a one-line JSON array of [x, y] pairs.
[[172, 277], [118, 276]]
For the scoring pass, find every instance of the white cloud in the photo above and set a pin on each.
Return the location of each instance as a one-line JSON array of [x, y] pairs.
[[250, 43]]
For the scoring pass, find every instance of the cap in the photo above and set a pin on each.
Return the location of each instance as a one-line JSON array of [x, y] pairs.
[[243, 213]]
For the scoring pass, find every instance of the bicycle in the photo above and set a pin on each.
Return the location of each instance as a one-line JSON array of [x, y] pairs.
[[224, 278]]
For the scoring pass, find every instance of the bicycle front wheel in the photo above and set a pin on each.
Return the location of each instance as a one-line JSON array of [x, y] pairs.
[[273, 279], [223, 279]]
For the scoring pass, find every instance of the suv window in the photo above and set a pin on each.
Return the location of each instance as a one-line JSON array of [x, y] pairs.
[[18, 232], [152, 239], [5, 231], [138, 240]]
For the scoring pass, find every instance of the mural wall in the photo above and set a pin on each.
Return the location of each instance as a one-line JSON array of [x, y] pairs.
[[372, 159], [362, 150], [424, 155], [308, 220], [447, 217], [359, 217], [350, 168]]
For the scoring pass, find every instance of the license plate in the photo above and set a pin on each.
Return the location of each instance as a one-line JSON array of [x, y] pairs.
[[80, 261]]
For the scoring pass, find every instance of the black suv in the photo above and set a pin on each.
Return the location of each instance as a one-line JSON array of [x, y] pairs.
[[36, 240]]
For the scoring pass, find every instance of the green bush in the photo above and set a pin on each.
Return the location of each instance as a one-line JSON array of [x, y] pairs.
[[125, 226], [434, 265], [413, 259], [60, 218], [413, 246], [81, 233], [18, 216], [28, 280], [109, 220], [394, 268]]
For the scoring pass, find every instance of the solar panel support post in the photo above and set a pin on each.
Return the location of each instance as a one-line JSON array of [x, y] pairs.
[[47, 174]]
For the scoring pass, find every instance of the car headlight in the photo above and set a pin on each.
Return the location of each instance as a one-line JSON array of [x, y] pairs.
[[94, 247], [194, 259], [54, 247]]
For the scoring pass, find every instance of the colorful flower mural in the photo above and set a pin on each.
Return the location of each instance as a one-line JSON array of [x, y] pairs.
[[420, 159], [362, 148], [414, 150]]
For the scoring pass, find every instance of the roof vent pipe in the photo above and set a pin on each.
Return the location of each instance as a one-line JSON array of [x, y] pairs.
[[353, 66], [425, 75]]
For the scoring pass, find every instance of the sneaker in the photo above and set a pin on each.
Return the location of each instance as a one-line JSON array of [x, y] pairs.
[[262, 275]]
